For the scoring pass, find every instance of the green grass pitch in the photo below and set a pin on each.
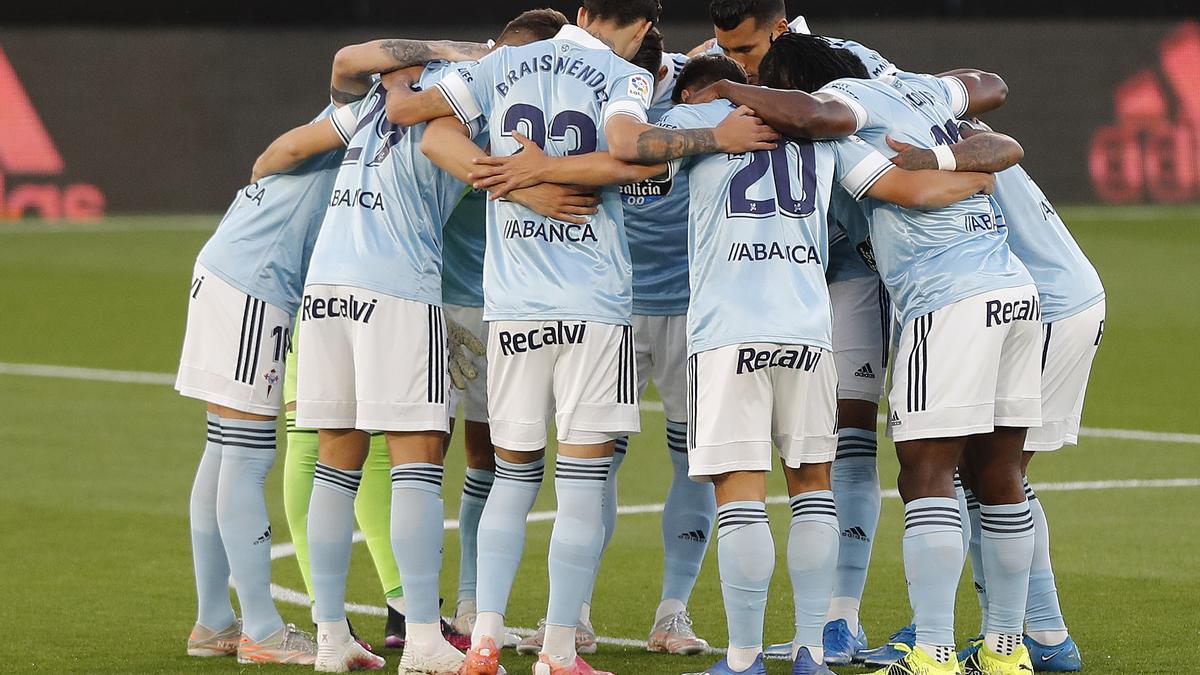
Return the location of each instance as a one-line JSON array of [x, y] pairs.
[[95, 562]]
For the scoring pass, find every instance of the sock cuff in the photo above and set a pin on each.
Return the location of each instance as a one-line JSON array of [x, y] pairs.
[[339, 480], [621, 445], [593, 469], [736, 515], [971, 499], [856, 443], [213, 430], [814, 506], [677, 436], [1030, 495], [418, 476], [1006, 521], [958, 484], [932, 514], [530, 473], [478, 483], [248, 434]]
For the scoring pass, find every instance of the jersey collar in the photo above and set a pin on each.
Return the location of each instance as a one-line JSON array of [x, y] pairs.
[[580, 37]]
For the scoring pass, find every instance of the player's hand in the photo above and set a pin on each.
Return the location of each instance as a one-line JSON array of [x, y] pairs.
[[703, 47], [989, 185], [910, 157], [461, 369], [973, 127], [742, 131], [501, 175], [568, 203]]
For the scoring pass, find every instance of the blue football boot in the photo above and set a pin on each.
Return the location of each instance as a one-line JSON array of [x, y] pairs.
[[1061, 658], [840, 644], [886, 655], [722, 668], [805, 665]]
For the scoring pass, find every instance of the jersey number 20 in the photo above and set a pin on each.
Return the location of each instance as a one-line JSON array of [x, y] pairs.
[[788, 159]]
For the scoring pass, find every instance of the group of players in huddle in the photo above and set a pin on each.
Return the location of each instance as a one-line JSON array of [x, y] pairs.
[[727, 222]]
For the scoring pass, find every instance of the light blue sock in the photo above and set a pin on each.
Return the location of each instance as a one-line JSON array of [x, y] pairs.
[[933, 560], [417, 515], [1042, 612], [812, 561], [502, 531], [964, 510], [1007, 544], [855, 481], [687, 521], [330, 529], [609, 509], [476, 487], [214, 610], [746, 560], [577, 539], [975, 552], [248, 452]]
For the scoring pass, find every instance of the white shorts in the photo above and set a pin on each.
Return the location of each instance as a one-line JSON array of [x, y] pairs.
[[583, 371], [741, 398], [474, 397], [969, 367], [1068, 347], [862, 323], [661, 346], [234, 347], [371, 361]]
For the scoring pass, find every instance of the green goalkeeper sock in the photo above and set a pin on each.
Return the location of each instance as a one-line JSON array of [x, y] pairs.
[[298, 467]]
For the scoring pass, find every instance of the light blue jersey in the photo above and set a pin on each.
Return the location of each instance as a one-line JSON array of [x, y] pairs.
[[465, 235], [759, 234], [850, 255], [383, 228], [656, 223], [928, 259], [558, 93], [1067, 282], [263, 244]]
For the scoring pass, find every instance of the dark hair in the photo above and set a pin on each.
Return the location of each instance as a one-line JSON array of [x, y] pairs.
[[649, 56], [729, 14], [702, 71], [807, 63], [624, 12], [538, 24]]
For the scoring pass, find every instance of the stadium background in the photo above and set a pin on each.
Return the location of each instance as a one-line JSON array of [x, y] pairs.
[[145, 113]]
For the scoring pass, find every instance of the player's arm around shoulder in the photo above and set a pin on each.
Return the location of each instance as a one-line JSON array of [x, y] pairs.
[[985, 151], [924, 190], [983, 91], [297, 145], [635, 141], [354, 65], [792, 113]]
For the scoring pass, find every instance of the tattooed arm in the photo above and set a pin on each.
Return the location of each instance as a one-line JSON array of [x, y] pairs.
[[354, 65], [987, 151], [634, 141]]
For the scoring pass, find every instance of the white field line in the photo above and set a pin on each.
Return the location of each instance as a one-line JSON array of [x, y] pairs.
[[167, 379], [294, 597]]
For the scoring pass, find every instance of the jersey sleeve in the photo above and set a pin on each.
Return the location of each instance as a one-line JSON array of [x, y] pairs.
[[468, 88], [851, 93], [630, 95], [345, 121], [858, 166]]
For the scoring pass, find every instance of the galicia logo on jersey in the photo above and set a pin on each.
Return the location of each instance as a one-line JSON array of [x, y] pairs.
[[759, 252], [337, 308], [526, 341], [27, 149], [646, 192], [1000, 313], [751, 359]]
